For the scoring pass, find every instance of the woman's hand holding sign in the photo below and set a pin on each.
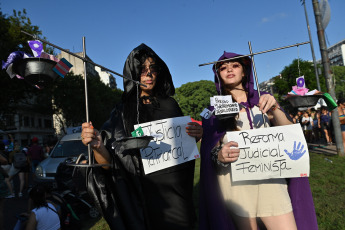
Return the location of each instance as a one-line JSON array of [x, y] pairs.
[[227, 154], [194, 130]]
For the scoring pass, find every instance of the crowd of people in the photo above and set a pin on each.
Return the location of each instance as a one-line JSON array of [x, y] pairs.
[[18, 161], [21, 161], [317, 123]]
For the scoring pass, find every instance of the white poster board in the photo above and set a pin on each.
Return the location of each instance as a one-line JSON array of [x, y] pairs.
[[171, 146], [275, 152]]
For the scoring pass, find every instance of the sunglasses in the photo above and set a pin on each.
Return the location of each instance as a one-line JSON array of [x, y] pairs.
[[153, 69]]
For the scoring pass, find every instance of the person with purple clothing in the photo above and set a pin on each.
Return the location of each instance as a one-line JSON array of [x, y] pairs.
[[279, 203]]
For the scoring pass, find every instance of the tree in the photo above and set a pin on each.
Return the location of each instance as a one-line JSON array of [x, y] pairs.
[[68, 97], [339, 79], [193, 97], [14, 91], [287, 78], [289, 74], [67, 93]]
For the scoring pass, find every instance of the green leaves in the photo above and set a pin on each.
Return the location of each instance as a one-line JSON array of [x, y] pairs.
[[193, 97]]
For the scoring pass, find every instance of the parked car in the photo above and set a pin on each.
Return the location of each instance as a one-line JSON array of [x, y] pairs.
[[69, 146]]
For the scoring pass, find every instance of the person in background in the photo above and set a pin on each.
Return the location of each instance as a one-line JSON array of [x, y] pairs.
[[307, 125], [3, 186], [44, 215], [341, 112], [13, 171], [35, 154], [24, 175], [316, 129], [292, 118], [300, 116], [325, 124]]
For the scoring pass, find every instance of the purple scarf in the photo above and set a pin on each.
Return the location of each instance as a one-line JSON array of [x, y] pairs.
[[212, 211]]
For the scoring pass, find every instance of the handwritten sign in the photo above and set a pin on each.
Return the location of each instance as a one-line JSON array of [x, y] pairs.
[[171, 145], [225, 98], [224, 105], [275, 152]]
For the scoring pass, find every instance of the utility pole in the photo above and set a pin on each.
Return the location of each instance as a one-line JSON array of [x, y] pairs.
[[312, 48], [328, 77]]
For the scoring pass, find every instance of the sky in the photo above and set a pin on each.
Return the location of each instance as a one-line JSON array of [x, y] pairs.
[[184, 33]]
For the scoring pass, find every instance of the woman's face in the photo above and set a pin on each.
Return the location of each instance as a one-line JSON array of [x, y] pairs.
[[148, 76], [231, 73]]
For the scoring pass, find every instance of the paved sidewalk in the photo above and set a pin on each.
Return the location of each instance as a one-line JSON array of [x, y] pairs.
[[14, 206], [323, 149]]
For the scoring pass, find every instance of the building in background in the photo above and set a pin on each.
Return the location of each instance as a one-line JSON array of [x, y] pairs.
[[78, 69], [336, 53], [268, 86], [106, 78], [25, 123], [91, 70], [78, 64]]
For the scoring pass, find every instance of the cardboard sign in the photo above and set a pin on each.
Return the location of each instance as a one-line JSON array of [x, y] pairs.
[[171, 145], [275, 152]]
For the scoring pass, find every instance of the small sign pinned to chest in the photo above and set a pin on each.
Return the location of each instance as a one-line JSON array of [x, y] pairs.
[[225, 105]]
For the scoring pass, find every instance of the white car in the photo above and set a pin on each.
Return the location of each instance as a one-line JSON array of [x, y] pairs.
[[69, 146]]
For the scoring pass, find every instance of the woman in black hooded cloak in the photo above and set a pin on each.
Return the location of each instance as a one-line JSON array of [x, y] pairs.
[[128, 198]]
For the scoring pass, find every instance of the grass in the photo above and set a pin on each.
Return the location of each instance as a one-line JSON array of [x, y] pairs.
[[328, 188], [327, 185]]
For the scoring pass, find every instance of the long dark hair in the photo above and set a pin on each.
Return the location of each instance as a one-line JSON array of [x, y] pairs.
[[38, 196], [230, 124]]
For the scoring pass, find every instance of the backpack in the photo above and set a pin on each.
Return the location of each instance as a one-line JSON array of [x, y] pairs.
[[68, 219], [20, 160]]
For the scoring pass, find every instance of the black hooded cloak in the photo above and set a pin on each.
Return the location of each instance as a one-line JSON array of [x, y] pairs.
[[127, 198]]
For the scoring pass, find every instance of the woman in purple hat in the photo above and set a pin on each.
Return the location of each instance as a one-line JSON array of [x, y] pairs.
[[228, 205]]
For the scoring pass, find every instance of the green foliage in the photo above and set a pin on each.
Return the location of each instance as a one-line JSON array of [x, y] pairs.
[[14, 91], [287, 78], [284, 83], [327, 185], [68, 94], [193, 97], [339, 79]]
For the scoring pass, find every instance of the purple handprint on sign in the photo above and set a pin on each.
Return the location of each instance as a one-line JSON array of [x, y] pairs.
[[296, 152]]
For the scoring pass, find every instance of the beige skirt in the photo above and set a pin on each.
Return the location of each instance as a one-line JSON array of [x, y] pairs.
[[260, 198]]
